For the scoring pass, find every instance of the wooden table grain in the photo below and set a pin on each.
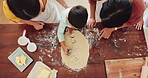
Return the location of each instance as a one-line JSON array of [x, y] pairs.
[[124, 43]]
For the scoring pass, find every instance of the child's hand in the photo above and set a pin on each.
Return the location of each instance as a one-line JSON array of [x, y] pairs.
[[38, 25], [65, 48], [106, 33], [69, 31], [91, 23]]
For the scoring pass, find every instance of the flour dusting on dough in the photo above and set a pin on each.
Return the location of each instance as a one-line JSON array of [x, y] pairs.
[[79, 51]]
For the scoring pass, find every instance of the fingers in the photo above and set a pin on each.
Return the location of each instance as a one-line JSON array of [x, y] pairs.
[[67, 29], [92, 26], [138, 26], [66, 51], [104, 34], [91, 23], [41, 23], [95, 24], [89, 26], [39, 27], [101, 36], [101, 32]]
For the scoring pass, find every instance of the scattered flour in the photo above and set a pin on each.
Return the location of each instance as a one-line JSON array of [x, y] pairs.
[[49, 55], [122, 39], [92, 36], [134, 54], [116, 43], [47, 40], [41, 58]]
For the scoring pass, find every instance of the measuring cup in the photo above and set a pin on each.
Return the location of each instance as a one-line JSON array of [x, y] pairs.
[[31, 47], [23, 40]]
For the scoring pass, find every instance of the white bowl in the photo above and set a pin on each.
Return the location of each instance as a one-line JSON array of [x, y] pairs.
[[31, 47], [23, 41]]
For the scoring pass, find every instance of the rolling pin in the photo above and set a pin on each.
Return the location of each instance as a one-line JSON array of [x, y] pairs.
[[144, 69]]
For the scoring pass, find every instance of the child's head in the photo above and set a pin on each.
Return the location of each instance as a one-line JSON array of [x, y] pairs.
[[77, 16], [25, 9]]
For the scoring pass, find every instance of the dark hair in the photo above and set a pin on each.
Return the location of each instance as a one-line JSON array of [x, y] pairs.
[[78, 16], [24, 9], [115, 13]]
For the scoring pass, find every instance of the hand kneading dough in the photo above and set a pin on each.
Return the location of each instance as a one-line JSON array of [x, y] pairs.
[[79, 54]]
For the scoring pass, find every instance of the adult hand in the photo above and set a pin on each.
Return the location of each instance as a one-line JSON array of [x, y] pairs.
[[106, 33], [139, 25], [38, 25], [91, 23]]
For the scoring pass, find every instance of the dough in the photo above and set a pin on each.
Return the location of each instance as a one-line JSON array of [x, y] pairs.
[[79, 50], [21, 60]]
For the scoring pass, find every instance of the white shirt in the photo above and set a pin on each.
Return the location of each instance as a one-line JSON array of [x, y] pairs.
[[50, 15]]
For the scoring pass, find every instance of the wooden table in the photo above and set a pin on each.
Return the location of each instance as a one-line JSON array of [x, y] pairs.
[[124, 43]]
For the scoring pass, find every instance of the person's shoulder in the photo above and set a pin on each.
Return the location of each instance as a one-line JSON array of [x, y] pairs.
[[4, 3], [66, 11], [9, 14]]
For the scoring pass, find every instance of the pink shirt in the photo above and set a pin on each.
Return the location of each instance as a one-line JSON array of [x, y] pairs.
[[138, 8]]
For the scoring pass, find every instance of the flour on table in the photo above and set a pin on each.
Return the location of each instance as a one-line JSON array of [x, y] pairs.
[[92, 36], [47, 40], [41, 58]]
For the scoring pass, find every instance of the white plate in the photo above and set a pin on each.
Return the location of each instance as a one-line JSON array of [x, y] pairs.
[[19, 52]]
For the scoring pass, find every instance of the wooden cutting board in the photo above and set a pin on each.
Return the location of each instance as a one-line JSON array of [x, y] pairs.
[[124, 68]]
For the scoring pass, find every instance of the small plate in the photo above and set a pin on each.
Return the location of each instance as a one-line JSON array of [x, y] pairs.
[[35, 72], [19, 52]]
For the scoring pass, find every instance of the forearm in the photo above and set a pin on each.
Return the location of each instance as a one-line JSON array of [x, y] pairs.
[[62, 43], [63, 3], [123, 26], [92, 10], [27, 22], [116, 28]]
